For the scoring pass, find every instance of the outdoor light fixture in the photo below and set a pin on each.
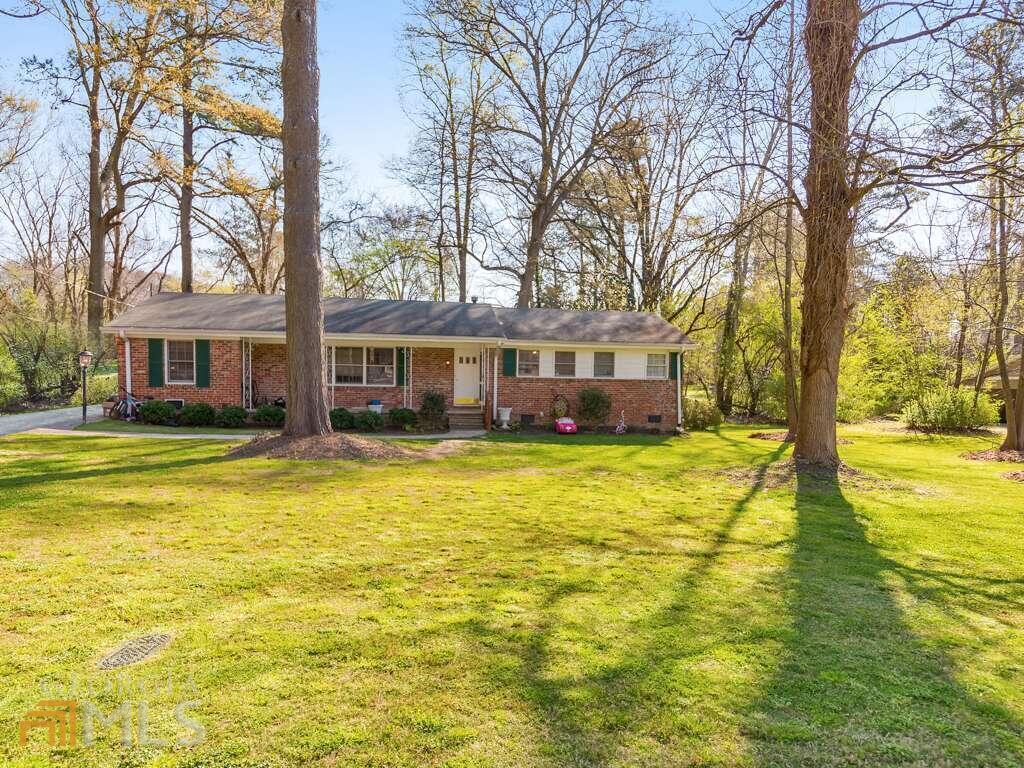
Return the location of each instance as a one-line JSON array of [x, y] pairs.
[[84, 361]]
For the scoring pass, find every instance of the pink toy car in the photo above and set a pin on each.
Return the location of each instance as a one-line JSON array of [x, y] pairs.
[[565, 426]]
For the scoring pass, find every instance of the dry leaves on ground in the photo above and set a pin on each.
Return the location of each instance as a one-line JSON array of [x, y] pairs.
[[995, 454], [340, 446]]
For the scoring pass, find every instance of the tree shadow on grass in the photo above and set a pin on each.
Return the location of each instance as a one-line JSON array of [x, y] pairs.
[[628, 711], [854, 685]]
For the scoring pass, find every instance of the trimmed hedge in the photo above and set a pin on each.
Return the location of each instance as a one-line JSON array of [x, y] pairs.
[[269, 416], [432, 405], [197, 415], [231, 416], [700, 414], [156, 412], [402, 418], [595, 405], [342, 418], [368, 421]]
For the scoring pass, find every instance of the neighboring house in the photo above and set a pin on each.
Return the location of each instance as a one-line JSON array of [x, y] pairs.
[[229, 349], [993, 382]]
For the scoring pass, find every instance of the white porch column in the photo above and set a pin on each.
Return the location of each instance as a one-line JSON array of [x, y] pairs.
[[679, 392], [494, 394], [127, 364]]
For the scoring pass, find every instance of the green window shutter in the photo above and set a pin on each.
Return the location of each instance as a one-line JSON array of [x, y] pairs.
[[155, 361], [202, 362], [400, 379], [508, 362], [673, 365]]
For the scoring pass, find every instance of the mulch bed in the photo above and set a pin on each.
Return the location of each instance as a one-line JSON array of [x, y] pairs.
[[339, 445], [1018, 476], [995, 454], [780, 437], [332, 446], [782, 474]]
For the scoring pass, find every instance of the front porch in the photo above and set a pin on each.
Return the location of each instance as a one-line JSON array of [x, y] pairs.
[[392, 376]]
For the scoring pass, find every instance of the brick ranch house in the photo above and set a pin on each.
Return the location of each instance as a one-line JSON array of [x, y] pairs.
[[229, 349]]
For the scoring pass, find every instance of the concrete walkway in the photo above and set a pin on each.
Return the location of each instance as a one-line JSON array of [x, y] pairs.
[[463, 434], [57, 418]]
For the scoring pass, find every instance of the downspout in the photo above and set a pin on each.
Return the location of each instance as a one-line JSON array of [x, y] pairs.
[[408, 375]]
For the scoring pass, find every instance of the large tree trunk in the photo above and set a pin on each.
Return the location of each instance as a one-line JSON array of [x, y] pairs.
[[788, 360], [188, 169], [829, 38], [530, 269], [97, 239], [725, 375], [304, 311]]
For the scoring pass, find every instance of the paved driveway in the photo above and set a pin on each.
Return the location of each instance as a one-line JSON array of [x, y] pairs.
[[59, 417]]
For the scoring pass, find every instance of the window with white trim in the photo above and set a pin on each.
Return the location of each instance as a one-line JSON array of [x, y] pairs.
[[565, 364], [380, 366], [358, 366], [657, 365], [529, 362], [604, 365], [348, 365], [181, 362]]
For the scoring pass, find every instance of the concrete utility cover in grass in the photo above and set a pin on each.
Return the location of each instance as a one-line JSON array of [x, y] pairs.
[[135, 651]]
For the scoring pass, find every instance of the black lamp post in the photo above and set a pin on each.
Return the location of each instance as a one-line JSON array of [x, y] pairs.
[[84, 361]]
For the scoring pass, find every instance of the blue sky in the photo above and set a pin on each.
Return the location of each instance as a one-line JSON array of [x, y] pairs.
[[361, 74], [360, 77]]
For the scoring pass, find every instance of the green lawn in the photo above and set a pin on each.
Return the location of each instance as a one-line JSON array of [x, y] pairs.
[[529, 602], [116, 425]]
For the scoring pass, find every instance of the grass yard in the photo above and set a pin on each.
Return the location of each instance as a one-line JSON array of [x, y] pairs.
[[529, 602], [134, 427]]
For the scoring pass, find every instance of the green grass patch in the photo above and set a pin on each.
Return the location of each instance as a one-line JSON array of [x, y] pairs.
[[529, 601], [134, 427]]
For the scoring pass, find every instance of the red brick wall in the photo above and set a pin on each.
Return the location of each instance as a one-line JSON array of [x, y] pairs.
[[434, 369], [225, 375], [637, 397], [269, 372], [431, 369]]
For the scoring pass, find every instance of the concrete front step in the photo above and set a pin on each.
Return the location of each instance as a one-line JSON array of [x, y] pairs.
[[465, 417]]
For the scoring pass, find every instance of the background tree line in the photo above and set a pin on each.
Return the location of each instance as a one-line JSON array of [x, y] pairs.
[[825, 195]]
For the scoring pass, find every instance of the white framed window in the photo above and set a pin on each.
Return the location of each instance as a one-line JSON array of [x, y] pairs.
[[657, 365], [565, 364], [348, 365], [180, 362], [528, 362], [380, 366], [363, 366], [604, 365]]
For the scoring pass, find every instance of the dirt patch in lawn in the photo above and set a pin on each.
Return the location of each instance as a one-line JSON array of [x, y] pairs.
[[340, 446], [1018, 476], [332, 446], [780, 437], [782, 474], [995, 454]]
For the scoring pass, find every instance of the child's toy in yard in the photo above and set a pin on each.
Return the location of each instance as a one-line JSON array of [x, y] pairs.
[[566, 426]]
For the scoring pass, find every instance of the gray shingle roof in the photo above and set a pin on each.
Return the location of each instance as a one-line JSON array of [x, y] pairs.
[[255, 314], [587, 327]]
